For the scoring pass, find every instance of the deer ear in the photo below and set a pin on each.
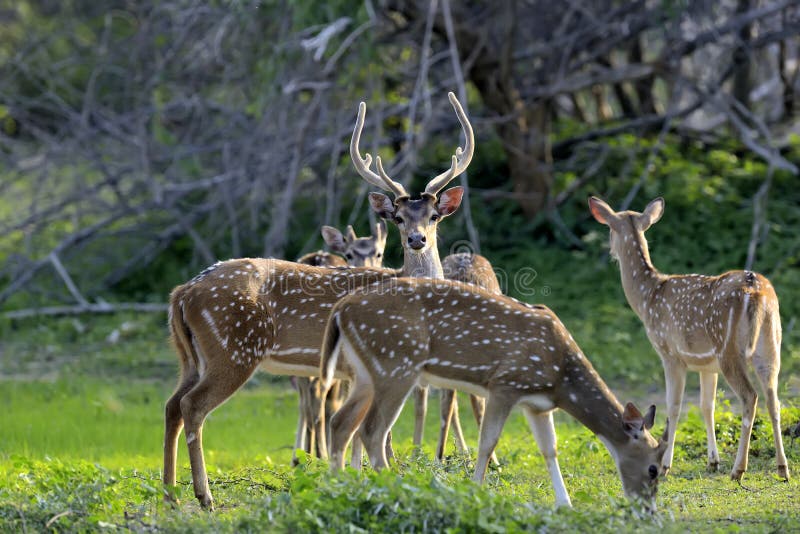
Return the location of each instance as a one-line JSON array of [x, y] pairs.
[[350, 234], [449, 201], [650, 417], [381, 205], [601, 211], [333, 238], [651, 214], [632, 419]]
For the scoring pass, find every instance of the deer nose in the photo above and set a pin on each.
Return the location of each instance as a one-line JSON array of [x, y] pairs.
[[416, 240]]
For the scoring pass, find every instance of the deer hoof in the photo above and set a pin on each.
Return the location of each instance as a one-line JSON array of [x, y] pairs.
[[737, 474], [713, 466], [206, 502], [783, 472]]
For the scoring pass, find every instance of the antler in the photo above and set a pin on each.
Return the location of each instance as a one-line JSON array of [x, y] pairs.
[[362, 165], [461, 158]]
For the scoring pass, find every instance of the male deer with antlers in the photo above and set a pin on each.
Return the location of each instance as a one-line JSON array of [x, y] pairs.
[[239, 315], [395, 334], [360, 252], [708, 324]]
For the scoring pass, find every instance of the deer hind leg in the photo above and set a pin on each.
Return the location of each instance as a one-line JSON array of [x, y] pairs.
[[420, 409], [173, 423], [708, 392], [734, 371], [675, 374], [348, 418], [767, 363], [497, 409], [380, 418], [544, 433], [202, 399]]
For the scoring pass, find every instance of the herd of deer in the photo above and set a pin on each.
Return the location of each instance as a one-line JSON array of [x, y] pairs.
[[445, 323]]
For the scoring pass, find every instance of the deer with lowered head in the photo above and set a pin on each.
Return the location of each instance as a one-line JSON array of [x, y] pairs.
[[708, 324], [388, 337], [240, 315], [360, 252]]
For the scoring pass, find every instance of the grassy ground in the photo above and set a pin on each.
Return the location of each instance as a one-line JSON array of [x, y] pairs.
[[80, 449]]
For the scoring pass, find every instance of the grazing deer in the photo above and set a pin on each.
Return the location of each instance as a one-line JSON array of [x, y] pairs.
[[471, 269], [708, 324], [360, 252], [392, 335], [239, 315]]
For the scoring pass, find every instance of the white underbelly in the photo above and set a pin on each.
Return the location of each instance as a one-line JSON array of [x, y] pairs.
[[449, 383], [280, 368]]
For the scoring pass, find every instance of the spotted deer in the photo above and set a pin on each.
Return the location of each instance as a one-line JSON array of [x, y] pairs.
[[360, 252], [240, 315], [708, 324], [471, 269], [395, 334]]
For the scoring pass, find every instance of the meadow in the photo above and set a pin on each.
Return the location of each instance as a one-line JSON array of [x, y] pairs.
[[80, 450]]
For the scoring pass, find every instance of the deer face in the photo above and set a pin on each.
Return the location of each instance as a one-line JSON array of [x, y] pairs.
[[359, 251], [625, 226], [639, 459], [417, 219]]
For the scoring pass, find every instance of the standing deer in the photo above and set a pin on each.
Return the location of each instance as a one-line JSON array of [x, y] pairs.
[[360, 252], [239, 315], [708, 324], [395, 334]]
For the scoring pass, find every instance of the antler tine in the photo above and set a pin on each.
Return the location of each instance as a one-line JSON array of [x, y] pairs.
[[362, 165], [462, 157]]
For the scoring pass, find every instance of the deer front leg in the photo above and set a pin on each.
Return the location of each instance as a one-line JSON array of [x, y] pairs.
[[708, 392], [497, 409], [461, 443], [736, 375], [448, 404], [544, 433], [420, 409], [675, 374]]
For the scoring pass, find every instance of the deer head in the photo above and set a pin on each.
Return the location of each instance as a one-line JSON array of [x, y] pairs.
[[626, 225], [638, 459], [416, 219], [359, 251]]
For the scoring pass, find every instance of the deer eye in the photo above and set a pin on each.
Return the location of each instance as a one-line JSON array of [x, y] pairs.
[[378, 255], [435, 217], [398, 220], [653, 470], [348, 255]]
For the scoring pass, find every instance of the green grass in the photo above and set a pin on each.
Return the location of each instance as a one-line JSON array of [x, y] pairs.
[[80, 450]]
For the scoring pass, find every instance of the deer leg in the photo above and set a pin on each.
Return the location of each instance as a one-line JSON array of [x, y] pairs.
[[206, 395], [544, 433], [497, 410], [301, 440], [675, 374], [420, 409], [379, 420], [357, 452], [767, 365], [708, 392], [173, 424], [478, 409], [734, 371], [447, 405], [461, 443], [347, 419]]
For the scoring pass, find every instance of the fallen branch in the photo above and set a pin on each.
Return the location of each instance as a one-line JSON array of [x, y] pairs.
[[99, 307]]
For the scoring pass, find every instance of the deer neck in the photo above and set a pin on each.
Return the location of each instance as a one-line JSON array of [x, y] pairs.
[[424, 265], [640, 278], [587, 398]]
